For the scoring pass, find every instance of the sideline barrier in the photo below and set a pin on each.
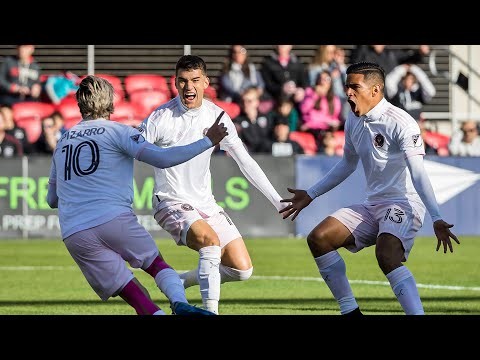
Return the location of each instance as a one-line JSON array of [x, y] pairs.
[[25, 213]]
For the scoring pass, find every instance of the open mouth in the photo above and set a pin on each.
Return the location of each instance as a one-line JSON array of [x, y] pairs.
[[352, 104], [189, 97]]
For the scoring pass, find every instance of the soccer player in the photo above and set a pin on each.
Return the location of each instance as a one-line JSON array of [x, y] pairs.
[[183, 201], [91, 183], [388, 142]]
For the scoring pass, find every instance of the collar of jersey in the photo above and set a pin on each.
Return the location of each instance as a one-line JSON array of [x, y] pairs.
[[376, 112]]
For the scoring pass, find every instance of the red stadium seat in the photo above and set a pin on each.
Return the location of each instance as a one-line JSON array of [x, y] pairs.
[[339, 136], [29, 115], [173, 89], [438, 141], [210, 93], [70, 112], [146, 101], [306, 141], [136, 82], [232, 109], [126, 113]]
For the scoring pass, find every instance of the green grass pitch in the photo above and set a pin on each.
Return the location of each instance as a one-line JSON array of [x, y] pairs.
[[38, 277]]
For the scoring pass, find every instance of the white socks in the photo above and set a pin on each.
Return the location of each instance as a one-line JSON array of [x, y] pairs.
[[170, 284], [405, 289], [227, 274], [333, 271], [209, 276]]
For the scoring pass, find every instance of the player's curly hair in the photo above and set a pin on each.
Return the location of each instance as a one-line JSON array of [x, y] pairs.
[[95, 98]]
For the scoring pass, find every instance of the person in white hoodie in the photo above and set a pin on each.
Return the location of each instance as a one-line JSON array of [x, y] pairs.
[[409, 87]]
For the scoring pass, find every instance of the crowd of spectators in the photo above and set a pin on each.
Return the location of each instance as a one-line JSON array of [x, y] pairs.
[[271, 102]]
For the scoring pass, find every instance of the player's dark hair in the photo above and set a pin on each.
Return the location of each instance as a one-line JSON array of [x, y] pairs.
[[191, 62], [370, 71]]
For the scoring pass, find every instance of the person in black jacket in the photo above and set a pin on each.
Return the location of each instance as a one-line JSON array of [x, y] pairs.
[[20, 77], [17, 132], [387, 57], [284, 74]]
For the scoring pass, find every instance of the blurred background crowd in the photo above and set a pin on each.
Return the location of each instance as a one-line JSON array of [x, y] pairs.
[[282, 104]]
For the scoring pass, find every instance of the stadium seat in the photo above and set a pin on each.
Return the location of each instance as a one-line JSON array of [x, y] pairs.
[[306, 141], [70, 112], [173, 89], [232, 109], [136, 82], [339, 136], [145, 101], [211, 93], [29, 115], [438, 141], [126, 113]]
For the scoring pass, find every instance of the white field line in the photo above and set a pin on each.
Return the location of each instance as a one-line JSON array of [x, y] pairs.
[[278, 278]]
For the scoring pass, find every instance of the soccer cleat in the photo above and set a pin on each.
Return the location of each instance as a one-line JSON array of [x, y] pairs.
[[354, 313], [182, 308]]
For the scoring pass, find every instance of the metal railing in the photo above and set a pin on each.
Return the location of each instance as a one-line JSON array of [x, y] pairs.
[[456, 78]]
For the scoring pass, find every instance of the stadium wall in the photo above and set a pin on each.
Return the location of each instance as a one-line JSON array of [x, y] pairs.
[[26, 214]]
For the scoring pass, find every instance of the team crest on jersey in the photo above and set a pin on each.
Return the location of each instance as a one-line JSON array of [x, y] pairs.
[[138, 138], [187, 207], [417, 140], [378, 140]]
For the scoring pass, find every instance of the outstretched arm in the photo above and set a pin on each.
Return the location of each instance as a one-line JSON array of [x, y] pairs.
[[254, 173], [422, 184], [302, 198], [343, 169]]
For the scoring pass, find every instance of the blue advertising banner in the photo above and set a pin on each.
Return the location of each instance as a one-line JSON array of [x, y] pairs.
[[455, 180]]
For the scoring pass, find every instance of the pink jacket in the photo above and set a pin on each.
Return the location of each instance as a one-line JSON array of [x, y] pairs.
[[319, 119]]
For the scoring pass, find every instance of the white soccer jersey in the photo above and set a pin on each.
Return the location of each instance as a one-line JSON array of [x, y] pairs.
[[96, 155], [383, 139], [174, 124]]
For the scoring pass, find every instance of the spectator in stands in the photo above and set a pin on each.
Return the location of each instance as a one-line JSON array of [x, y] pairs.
[[282, 145], [388, 58], [328, 144], [12, 129], [284, 74], [320, 109], [59, 122], [254, 128], [429, 149], [467, 141], [20, 77], [58, 87], [49, 137], [9, 145], [285, 109], [408, 87], [331, 58], [238, 74]]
